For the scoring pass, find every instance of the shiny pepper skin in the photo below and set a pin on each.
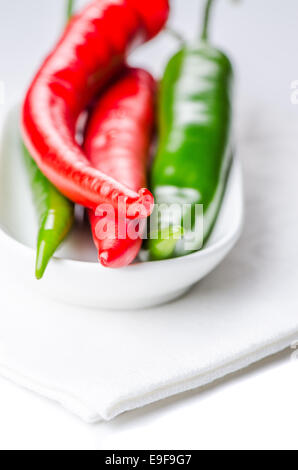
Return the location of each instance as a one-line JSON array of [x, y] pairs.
[[195, 152], [90, 53], [55, 215], [117, 142]]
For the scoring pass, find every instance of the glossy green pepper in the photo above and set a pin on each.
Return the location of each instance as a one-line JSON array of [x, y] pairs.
[[195, 152], [55, 215], [55, 212]]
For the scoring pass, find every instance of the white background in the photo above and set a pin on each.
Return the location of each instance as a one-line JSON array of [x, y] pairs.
[[254, 409]]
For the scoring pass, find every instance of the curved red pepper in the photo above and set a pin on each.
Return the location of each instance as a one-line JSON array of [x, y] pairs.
[[91, 51], [117, 142]]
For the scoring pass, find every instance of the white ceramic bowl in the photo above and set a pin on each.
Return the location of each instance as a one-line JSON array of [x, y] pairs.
[[75, 276]]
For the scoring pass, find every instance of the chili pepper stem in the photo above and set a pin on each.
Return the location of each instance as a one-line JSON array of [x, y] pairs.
[[206, 21], [69, 9]]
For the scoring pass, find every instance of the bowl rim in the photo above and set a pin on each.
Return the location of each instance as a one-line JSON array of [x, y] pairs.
[[231, 236]]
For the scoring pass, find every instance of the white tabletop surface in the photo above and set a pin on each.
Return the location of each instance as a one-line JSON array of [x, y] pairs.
[[254, 409]]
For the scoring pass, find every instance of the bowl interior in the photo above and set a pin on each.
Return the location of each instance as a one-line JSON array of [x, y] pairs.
[[17, 212]]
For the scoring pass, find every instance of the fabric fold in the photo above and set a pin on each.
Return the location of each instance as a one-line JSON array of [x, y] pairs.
[[98, 364]]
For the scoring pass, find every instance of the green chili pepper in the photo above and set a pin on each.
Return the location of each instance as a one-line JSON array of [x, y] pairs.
[[55, 212], [194, 154], [55, 215]]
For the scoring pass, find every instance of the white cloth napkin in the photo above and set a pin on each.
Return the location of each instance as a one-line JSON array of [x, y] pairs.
[[99, 364]]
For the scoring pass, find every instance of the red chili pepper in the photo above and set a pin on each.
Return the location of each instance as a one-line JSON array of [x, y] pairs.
[[91, 51], [117, 142]]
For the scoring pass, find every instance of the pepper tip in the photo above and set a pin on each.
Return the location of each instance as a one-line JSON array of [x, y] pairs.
[[43, 257], [39, 274], [143, 207], [103, 258]]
